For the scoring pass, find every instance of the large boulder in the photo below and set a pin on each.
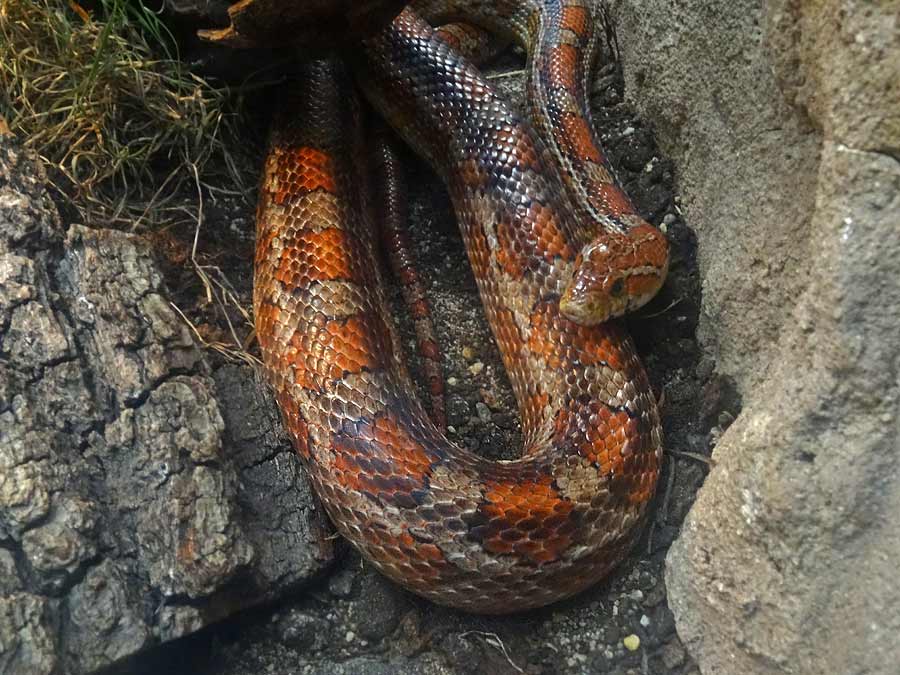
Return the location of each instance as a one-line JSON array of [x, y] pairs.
[[783, 117]]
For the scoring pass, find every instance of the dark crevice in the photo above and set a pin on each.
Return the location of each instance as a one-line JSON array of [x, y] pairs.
[[134, 402]]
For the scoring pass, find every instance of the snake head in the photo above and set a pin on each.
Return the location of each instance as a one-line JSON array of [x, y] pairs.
[[615, 274]]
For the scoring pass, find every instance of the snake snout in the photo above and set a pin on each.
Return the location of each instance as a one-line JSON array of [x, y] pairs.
[[615, 275], [596, 292]]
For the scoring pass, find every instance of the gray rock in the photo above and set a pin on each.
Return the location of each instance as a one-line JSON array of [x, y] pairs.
[[26, 635], [106, 622], [379, 607], [290, 534], [782, 118], [672, 654], [701, 74], [341, 584], [303, 631], [130, 499]]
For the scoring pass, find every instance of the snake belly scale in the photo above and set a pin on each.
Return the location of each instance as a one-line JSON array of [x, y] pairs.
[[462, 530]]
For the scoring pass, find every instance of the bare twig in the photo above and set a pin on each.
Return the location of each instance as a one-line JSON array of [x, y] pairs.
[[501, 76]]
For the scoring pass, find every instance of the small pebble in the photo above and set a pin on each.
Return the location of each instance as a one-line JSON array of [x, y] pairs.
[[476, 368], [645, 620], [489, 398], [636, 595], [484, 413], [452, 381], [632, 642], [468, 353]]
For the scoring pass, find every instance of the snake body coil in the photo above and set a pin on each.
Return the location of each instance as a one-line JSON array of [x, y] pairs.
[[482, 535]]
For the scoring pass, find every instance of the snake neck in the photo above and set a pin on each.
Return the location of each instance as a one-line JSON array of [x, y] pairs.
[[623, 260], [560, 40]]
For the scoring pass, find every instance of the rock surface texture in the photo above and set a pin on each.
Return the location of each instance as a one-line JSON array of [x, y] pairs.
[[137, 504], [784, 119]]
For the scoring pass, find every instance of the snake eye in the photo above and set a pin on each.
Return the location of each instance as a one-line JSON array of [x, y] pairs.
[[618, 287]]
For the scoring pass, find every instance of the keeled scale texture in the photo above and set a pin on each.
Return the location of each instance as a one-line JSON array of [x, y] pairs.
[[482, 535]]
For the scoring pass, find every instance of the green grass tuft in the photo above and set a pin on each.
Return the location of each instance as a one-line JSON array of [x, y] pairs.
[[103, 99]]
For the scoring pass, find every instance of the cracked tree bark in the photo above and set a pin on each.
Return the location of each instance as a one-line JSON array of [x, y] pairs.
[[140, 497]]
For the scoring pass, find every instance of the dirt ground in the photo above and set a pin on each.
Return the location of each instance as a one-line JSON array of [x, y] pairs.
[[351, 620]]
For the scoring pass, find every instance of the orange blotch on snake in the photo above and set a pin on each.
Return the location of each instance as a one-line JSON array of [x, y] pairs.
[[337, 348], [579, 138], [575, 19], [533, 407], [526, 517], [610, 198], [551, 242], [561, 71], [561, 341], [520, 147], [311, 256], [510, 263], [305, 169], [430, 552], [597, 432], [408, 455], [513, 250], [382, 460]]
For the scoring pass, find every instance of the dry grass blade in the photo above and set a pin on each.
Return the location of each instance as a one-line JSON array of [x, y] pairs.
[[226, 350], [218, 291], [494, 641]]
